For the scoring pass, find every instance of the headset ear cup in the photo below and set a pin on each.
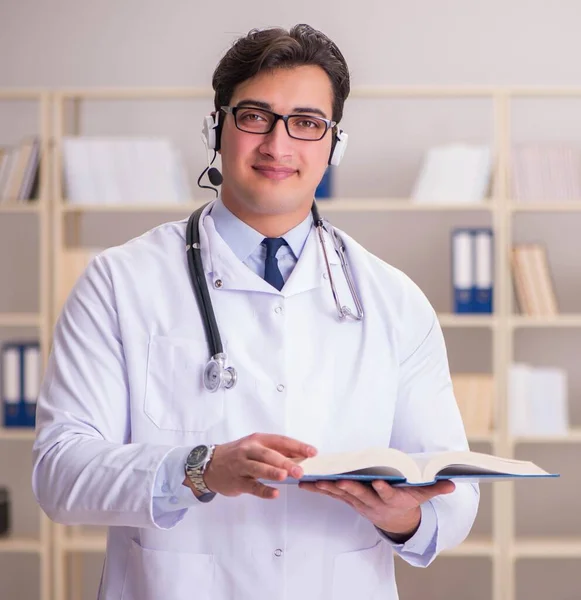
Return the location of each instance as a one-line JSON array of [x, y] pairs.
[[218, 132], [338, 147]]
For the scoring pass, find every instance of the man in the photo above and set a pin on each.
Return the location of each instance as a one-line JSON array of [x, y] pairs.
[[128, 435]]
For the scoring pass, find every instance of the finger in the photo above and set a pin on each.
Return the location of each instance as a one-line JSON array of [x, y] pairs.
[[286, 445], [259, 470], [365, 495], [265, 455], [255, 488]]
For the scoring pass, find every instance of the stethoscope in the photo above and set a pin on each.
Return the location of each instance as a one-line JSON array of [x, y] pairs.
[[216, 374]]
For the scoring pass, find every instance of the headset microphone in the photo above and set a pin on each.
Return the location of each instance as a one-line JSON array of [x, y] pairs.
[[215, 176]]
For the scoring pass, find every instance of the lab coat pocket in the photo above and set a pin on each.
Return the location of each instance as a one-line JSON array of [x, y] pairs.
[[175, 397], [366, 573], [156, 574]]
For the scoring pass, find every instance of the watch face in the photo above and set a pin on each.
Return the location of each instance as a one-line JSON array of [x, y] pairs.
[[198, 455]]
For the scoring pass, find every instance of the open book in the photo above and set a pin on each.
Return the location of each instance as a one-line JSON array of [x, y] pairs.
[[415, 469]]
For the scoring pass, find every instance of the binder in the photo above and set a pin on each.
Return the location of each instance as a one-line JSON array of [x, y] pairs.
[[11, 378], [31, 382], [21, 375], [483, 270], [325, 188], [462, 270], [472, 270]]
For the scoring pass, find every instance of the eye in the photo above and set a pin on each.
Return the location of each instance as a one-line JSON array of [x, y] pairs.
[[252, 116], [305, 123]]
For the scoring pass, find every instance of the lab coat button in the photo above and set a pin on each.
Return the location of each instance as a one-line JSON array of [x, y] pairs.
[[278, 310], [280, 387], [173, 500], [325, 275], [278, 552], [165, 487], [218, 283]]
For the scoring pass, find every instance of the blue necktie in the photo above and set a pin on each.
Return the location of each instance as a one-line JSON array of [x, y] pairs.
[[272, 273]]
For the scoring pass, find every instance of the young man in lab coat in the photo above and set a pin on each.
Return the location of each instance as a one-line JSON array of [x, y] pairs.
[[128, 437]]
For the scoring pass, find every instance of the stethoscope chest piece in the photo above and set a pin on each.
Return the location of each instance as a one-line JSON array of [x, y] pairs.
[[217, 375]]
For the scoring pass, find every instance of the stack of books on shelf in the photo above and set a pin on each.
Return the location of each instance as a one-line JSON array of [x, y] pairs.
[[454, 173], [19, 169], [544, 172], [533, 284], [102, 170], [474, 394], [472, 269], [537, 400]]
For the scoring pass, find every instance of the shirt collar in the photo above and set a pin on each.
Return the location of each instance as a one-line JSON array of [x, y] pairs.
[[243, 239]]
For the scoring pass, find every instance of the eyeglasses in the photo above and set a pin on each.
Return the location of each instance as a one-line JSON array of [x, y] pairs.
[[262, 121]]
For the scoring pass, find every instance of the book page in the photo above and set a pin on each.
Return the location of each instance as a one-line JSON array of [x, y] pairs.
[[383, 461], [466, 463]]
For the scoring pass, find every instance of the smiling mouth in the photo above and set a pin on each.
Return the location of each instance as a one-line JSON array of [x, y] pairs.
[[276, 173]]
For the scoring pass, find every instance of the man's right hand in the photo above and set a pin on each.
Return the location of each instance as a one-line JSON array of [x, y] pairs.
[[236, 466]]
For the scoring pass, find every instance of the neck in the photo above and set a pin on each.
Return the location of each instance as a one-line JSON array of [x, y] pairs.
[[270, 225]]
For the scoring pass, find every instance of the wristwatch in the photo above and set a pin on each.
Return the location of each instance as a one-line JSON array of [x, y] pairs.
[[196, 465]]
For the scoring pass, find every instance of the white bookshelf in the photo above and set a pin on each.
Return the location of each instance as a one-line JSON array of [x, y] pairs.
[[502, 547], [41, 322]]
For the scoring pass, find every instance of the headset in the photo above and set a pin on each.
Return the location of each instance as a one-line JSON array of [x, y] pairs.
[[212, 132]]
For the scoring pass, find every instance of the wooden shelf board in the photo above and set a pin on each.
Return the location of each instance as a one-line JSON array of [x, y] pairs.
[[84, 543], [23, 208], [572, 206], [20, 544], [466, 320], [325, 206], [20, 319], [17, 434], [562, 320], [574, 436], [547, 547]]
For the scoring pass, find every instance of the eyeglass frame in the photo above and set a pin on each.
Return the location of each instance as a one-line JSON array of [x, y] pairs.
[[232, 110]]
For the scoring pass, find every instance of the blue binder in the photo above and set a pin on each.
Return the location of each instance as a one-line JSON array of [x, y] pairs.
[[325, 188], [472, 254], [19, 384]]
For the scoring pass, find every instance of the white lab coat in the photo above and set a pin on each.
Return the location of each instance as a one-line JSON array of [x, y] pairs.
[[123, 388]]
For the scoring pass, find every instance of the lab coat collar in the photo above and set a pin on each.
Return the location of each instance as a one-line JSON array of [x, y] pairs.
[[227, 272]]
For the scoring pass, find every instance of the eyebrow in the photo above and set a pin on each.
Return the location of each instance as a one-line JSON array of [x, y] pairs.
[[297, 109]]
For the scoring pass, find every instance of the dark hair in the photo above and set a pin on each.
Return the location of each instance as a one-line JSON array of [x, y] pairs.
[[273, 48]]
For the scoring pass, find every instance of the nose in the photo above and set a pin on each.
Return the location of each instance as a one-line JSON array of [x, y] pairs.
[[277, 143]]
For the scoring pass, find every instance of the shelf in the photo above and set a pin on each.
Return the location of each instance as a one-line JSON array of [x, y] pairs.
[[573, 437], [395, 204], [19, 319], [482, 438], [184, 208], [572, 206], [546, 547], [472, 546], [466, 320], [325, 206], [17, 433], [563, 320], [16, 544], [84, 543], [20, 208]]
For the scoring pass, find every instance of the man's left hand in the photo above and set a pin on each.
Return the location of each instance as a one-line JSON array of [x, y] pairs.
[[394, 510]]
